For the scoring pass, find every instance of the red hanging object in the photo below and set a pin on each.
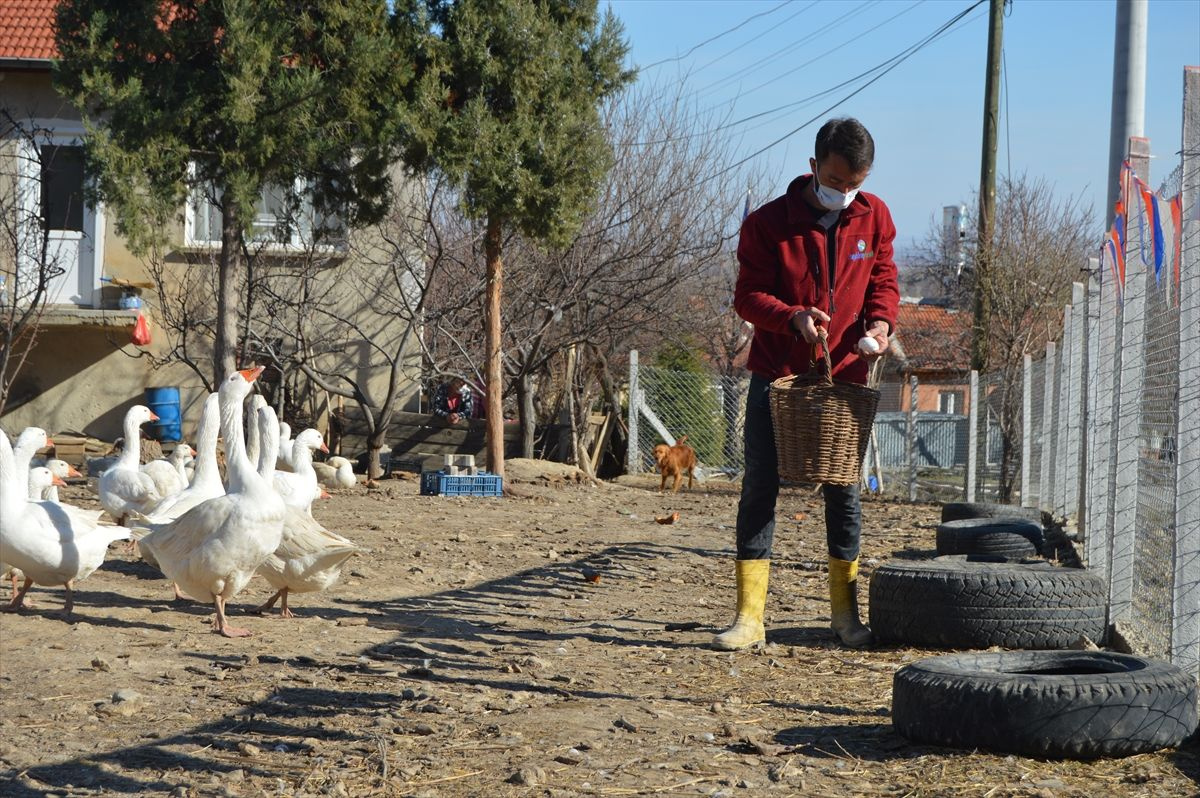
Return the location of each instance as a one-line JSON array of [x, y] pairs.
[[141, 331]]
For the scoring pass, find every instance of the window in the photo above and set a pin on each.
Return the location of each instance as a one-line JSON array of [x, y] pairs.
[[949, 402], [62, 187], [283, 218]]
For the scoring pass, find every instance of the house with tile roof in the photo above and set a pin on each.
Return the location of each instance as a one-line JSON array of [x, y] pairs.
[[932, 343], [85, 371]]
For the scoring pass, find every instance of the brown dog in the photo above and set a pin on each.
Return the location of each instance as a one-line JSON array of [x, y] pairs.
[[674, 460]]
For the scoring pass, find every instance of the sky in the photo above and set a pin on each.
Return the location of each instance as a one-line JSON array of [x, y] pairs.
[[926, 115]]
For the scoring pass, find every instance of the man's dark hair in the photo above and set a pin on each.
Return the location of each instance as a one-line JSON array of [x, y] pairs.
[[849, 139]]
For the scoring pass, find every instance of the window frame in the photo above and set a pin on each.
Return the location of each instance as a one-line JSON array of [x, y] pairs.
[[299, 240]]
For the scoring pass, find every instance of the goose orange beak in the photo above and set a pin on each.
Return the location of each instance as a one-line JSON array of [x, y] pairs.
[[326, 495], [324, 448], [49, 442], [71, 472], [153, 416], [251, 374], [55, 479]]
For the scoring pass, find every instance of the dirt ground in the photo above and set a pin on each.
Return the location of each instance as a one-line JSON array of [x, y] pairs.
[[552, 643]]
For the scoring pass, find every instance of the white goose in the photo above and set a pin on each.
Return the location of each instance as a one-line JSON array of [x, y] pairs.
[[309, 558], [32, 439], [299, 487], [50, 544], [170, 473], [213, 549], [336, 472], [124, 487], [284, 463], [29, 442], [49, 492], [206, 480], [256, 403]]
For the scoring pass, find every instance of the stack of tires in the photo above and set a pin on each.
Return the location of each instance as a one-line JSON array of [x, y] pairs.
[[989, 588]]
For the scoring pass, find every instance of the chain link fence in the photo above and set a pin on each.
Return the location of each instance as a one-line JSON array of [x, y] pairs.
[[1101, 430], [709, 409]]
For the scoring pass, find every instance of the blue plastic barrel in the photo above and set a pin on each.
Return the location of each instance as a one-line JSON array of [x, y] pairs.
[[165, 404]]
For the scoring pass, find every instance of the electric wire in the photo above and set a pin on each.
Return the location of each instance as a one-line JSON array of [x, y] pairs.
[[756, 37], [885, 65], [722, 34], [943, 29]]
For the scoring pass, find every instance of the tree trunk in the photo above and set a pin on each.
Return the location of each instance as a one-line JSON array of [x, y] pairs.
[[228, 272], [528, 417], [374, 467], [493, 373]]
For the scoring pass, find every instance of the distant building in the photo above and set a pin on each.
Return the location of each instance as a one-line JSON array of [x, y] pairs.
[[932, 343], [84, 373]]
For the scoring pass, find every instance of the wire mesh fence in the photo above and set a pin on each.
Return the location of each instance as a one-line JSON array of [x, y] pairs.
[[1101, 430], [710, 410]]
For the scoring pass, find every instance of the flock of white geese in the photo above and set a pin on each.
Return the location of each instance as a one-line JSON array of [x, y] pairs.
[[207, 535]]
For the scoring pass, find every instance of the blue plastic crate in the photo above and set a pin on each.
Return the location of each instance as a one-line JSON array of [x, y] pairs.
[[435, 483]]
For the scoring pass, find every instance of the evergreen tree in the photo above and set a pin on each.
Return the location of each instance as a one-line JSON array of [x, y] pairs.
[[231, 97], [506, 105]]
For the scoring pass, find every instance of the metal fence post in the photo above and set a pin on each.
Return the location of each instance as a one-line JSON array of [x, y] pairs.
[[1046, 478], [1026, 428], [633, 457], [972, 435], [1185, 634], [1129, 408], [912, 438]]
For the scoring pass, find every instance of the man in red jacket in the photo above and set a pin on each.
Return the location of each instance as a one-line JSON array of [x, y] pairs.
[[820, 256]]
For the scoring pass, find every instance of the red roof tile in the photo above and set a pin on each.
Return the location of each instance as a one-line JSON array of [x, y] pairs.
[[933, 338], [27, 29]]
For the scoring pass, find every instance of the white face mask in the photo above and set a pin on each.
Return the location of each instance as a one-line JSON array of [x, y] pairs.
[[833, 199]]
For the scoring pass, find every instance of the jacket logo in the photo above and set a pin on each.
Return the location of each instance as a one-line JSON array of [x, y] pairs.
[[862, 245]]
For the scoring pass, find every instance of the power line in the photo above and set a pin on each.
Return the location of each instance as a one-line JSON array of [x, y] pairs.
[[895, 60], [757, 36], [831, 50], [724, 33], [815, 34], [945, 28]]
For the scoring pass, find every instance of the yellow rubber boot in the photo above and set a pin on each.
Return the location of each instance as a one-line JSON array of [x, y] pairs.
[[843, 602], [747, 629]]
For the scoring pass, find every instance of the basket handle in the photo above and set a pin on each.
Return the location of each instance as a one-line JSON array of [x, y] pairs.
[[823, 343]]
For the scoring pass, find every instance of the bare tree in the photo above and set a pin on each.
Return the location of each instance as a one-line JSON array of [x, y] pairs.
[[1039, 249], [636, 270], [29, 262], [350, 321]]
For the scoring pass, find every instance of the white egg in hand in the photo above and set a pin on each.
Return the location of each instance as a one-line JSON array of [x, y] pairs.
[[868, 345]]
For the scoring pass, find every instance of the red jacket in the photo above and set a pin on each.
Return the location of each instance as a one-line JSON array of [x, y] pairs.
[[783, 270]]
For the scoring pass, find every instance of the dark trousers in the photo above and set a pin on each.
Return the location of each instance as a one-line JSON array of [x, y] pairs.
[[760, 489]]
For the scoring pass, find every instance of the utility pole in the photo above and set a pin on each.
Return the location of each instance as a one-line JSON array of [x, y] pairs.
[[987, 187], [1128, 91]]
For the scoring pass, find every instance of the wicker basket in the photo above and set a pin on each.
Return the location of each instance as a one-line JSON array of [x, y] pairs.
[[822, 426]]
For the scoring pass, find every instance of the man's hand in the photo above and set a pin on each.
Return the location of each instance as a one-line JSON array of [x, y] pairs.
[[453, 418], [806, 323], [878, 331]]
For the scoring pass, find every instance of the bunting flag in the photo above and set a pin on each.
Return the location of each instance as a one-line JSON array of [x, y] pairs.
[[746, 208], [1119, 223], [1176, 206], [1154, 220], [1116, 262]]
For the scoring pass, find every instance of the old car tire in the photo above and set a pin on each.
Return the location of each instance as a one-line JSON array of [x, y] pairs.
[[1074, 704], [957, 511], [1001, 537], [977, 602]]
